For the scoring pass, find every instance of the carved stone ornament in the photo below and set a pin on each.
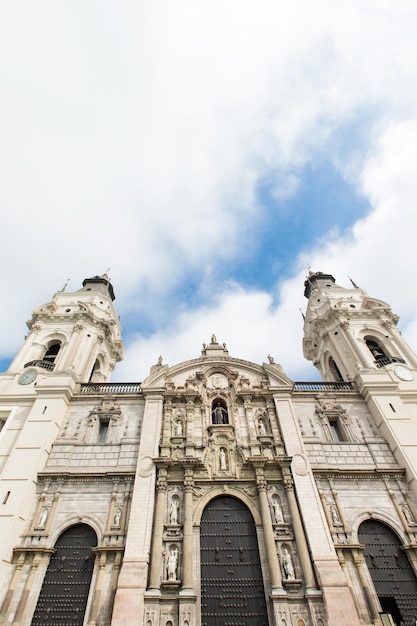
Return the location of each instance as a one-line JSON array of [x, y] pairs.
[[218, 381]]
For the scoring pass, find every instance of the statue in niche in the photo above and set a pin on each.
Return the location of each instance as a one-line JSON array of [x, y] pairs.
[[43, 517], [261, 427], [219, 415], [173, 510], [279, 519], [288, 565], [335, 515], [223, 461], [172, 563], [117, 517], [178, 428], [408, 515]]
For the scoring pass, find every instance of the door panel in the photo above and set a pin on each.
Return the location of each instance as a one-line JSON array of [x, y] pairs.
[[232, 590], [65, 589], [390, 569]]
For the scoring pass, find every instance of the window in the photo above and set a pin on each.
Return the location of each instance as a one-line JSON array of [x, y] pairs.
[[375, 349], [95, 369], [334, 370], [336, 431], [52, 352], [103, 430]]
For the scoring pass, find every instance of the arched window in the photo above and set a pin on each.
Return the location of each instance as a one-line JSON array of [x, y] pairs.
[[95, 372], [219, 414], [334, 370], [375, 349], [52, 352]]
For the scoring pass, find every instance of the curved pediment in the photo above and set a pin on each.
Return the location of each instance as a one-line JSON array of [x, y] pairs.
[[216, 374]]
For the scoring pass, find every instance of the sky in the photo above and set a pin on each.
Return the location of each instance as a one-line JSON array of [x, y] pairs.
[[209, 154]]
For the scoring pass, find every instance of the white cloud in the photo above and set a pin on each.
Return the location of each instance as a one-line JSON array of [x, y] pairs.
[[133, 135]]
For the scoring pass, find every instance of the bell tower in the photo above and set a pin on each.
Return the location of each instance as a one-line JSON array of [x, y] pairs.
[[350, 336], [346, 332], [77, 333], [75, 338]]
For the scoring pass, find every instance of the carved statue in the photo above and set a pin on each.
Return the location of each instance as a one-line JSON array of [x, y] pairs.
[[219, 415], [172, 563], [178, 428], [117, 517], [335, 515], [288, 566], [43, 517], [173, 510], [408, 515], [261, 428], [223, 462], [277, 511]]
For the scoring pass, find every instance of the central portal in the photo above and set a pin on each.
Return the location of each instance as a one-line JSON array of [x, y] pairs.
[[232, 590]]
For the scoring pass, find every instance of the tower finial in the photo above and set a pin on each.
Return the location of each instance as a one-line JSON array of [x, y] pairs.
[[353, 283], [65, 286]]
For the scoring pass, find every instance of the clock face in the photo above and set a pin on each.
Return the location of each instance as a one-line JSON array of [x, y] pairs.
[[403, 373], [27, 377]]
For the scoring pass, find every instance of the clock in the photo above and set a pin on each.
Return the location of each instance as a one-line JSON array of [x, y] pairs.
[[27, 377], [403, 373]]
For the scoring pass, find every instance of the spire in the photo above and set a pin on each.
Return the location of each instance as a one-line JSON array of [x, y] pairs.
[[65, 286], [353, 283]]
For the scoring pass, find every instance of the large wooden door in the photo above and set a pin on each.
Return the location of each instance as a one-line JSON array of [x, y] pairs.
[[232, 590], [65, 589], [391, 572]]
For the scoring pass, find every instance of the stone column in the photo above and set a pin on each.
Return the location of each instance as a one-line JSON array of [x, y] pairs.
[[158, 529], [101, 561], [373, 609], [345, 569], [299, 532], [14, 584], [274, 570], [187, 576]]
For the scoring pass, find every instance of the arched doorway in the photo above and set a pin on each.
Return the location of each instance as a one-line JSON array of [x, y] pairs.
[[64, 592], [232, 590], [390, 570]]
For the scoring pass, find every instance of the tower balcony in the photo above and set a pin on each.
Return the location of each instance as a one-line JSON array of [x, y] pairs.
[[46, 365], [386, 360]]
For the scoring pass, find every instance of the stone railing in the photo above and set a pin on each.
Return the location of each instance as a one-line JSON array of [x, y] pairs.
[[94, 388], [387, 360], [46, 365], [323, 386]]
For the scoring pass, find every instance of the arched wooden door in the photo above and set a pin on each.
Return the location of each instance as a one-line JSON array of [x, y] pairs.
[[232, 589], [65, 589], [391, 572]]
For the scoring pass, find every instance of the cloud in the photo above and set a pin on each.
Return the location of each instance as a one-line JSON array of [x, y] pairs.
[[137, 134]]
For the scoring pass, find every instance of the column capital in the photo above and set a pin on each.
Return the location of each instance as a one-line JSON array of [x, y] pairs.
[[287, 476], [188, 479], [161, 481]]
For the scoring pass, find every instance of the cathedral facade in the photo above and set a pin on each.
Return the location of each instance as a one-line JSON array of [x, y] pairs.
[[217, 492]]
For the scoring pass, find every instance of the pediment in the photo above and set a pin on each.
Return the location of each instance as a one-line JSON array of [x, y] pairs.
[[216, 376]]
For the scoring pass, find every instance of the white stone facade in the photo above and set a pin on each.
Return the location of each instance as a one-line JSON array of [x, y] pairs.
[[141, 464]]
